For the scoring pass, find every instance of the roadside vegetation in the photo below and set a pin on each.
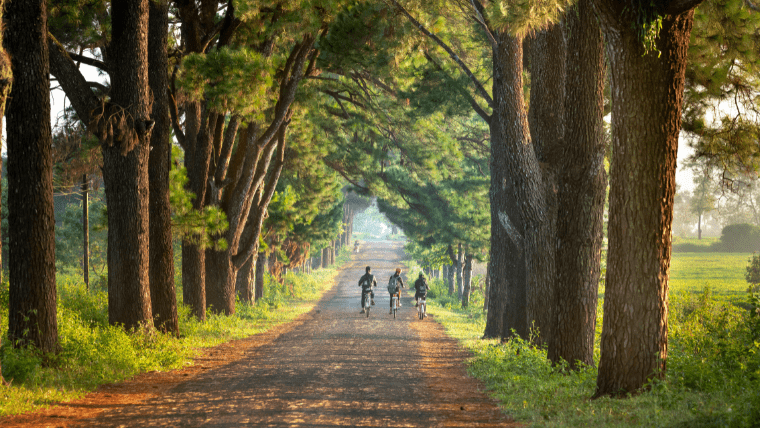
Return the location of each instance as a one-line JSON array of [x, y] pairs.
[[93, 353], [713, 374]]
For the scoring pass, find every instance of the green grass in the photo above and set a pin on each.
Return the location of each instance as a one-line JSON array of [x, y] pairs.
[[713, 375], [723, 273], [93, 352]]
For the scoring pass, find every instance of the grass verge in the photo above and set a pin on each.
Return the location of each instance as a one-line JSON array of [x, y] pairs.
[[713, 377], [94, 353]]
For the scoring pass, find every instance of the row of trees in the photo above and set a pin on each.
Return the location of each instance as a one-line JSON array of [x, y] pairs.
[[547, 176], [178, 79], [270, 103]]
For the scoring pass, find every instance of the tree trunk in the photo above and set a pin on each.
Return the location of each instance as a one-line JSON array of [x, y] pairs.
[[581, 196], [86, 231], [452, 269], [220, 282], [642, 186], [487, 289], [510, 139], [244, 282], [162, 292], [31, 221], [459, 264], [467, 278], [699, 227], [194, 279], [261, 265], [198, 133], [325, 258], [125, 167], [547, 129]]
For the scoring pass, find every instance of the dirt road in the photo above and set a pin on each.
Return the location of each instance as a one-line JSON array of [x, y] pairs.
[[334, 367]]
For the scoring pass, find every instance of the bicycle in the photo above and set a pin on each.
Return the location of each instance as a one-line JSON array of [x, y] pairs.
[[421, 308], [394, 299], [367, 297]]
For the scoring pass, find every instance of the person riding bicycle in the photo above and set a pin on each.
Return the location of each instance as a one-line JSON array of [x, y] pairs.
[[421, 288], [399, 283], [367, 282]]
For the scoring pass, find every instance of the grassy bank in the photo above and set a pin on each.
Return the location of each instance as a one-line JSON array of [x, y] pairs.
[[713, 377], [93, 352]]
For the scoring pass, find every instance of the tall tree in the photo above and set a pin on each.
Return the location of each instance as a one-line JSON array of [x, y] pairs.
[[125, 165], [581, 193], [31, 222], [647, 45], [163, 295]]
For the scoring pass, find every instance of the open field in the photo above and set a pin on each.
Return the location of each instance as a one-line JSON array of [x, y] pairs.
[[722, 272]]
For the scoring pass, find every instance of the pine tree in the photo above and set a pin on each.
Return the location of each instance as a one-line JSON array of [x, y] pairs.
[[31, 253], [647, 46]]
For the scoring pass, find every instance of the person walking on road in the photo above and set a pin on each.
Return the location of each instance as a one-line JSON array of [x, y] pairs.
[[421, 288], [367, 282], [395, 284]]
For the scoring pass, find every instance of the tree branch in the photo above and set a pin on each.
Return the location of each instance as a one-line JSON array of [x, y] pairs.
[[482, 21], [175, 113], [100, 86], [677, 7], [89, 61], [478, 86], [75, 86]]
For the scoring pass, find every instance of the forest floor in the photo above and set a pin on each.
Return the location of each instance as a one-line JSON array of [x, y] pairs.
[[331, 367]]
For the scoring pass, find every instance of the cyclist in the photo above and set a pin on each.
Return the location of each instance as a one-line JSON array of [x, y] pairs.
[[421, 288], [367, 282], [396, 280]]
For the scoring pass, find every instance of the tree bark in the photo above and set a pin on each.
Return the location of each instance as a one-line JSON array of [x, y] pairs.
[[261, 265], [510, 142], [194, 279], [547, 129], [125, 167], [163, 295], [86, 231], [582, 191], [647, 91], [244, 282], [487, 288], [31, 221]]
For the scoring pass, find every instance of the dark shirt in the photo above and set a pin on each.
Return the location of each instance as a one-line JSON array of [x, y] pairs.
[[421, 286], [370, 278]]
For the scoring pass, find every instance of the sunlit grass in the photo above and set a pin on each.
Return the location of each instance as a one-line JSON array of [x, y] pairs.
[[723, 273]]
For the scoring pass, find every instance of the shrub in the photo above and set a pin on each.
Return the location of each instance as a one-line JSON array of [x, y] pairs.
[[740, 238]]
